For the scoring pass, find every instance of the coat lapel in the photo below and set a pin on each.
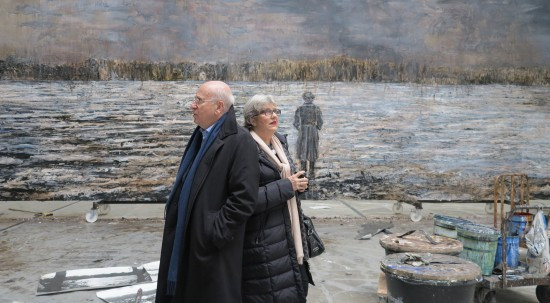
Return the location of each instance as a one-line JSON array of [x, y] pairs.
[[204, 168], [229, 127]]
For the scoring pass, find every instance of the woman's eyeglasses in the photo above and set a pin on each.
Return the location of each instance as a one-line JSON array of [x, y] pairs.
[[269, 112]]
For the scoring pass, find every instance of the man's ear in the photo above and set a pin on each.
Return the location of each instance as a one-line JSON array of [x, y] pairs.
[[220, 106]]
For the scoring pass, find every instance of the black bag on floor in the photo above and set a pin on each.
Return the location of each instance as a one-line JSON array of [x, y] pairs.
[[314, 243]]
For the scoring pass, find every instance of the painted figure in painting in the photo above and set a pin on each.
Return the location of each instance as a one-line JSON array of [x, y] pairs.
[[212, 198], [308, 120]]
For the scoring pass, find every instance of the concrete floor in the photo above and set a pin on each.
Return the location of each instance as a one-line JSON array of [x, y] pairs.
[[130, 235]]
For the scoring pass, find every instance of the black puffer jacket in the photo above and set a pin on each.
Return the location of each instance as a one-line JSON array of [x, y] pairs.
[[270, 269]]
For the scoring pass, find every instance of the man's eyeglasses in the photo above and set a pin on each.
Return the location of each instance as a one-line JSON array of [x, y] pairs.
[[198, 101], [269, 112]]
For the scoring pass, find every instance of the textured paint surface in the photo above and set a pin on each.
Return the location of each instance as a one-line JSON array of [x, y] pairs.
[[464, 33], [123, 140]]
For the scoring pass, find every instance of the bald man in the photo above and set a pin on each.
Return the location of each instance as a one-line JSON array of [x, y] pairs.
[[212, 198]]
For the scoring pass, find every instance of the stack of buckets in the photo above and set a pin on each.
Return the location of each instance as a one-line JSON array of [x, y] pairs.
[[482, 244], [518, 227]]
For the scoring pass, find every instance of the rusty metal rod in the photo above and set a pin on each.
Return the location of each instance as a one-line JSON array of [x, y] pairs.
[[503, 191], [512, 191], [495, 201]]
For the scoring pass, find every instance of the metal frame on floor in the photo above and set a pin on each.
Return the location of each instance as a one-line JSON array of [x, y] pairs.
[[485, 291]]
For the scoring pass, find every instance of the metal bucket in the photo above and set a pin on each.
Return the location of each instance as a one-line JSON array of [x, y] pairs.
[[440, 278], [512, 251], [480, 245], [446, 225], [519, 226]]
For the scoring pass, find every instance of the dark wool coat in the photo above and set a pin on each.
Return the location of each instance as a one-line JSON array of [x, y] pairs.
[[222, 199], [271, 272]]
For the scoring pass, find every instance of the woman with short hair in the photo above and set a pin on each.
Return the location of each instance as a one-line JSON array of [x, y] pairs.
[[275, 267]]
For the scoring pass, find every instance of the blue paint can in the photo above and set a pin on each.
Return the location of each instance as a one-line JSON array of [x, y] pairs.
[[512, 251], [520, 223]]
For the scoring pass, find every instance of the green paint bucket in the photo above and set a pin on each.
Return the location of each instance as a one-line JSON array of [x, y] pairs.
[[479, 245]]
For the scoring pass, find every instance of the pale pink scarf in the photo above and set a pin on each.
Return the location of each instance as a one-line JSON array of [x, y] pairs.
[[284, 168]]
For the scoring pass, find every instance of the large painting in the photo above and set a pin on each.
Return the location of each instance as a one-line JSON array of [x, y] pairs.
[[427, 100]]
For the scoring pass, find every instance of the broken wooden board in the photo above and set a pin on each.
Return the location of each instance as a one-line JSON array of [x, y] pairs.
[[382, 286], [91, 278], [152, 269], [130, 294]]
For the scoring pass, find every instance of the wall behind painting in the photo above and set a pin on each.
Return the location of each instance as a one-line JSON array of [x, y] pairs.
[[436, 32]]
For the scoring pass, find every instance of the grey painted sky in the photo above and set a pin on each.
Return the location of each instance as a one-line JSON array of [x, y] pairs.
[[444, 32]]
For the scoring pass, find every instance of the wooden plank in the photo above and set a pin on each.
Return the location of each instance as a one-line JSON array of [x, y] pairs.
[[152, 269], [382, 285], [494, 281], [91, 278], [129, 294]]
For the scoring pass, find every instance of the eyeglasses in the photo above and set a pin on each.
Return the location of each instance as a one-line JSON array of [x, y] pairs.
[[269, 112], [198, 101]]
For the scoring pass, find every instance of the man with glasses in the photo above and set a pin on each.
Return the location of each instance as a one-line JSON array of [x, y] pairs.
[[308, 120], [212, 198]]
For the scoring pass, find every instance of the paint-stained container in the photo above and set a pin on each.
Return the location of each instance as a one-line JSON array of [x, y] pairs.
[[429, 278], [519, 226], [512, 251], [446, 225], [418, 242], [480, 245]]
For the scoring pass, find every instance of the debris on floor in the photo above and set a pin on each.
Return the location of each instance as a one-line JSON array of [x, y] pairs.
[[369, 230]]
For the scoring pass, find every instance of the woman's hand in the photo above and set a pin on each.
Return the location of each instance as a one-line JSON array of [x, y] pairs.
[[299, 181]]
